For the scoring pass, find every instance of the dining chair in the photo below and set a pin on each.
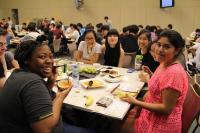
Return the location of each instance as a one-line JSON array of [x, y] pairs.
[[190, 78], [101, 59], [191, 108], [72, 48], [129, 61], [197, 78]]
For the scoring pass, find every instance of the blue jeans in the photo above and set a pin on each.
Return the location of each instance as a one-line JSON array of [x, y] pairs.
[[75, 129]]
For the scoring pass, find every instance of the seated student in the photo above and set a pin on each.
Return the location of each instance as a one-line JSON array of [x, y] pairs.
[[88, 50], [162, 106], [146, 73], [144, 39], [103, 31], [7, 61], [10, 35], [113, 53], [129, 41], [30, 105], [32, 35]]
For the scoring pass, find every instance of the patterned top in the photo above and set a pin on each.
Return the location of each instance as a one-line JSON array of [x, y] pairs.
[[173, 77]]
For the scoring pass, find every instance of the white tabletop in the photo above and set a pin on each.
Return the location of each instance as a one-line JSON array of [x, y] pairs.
[[118, 108]]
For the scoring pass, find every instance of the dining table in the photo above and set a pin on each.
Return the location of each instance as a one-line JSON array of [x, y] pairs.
[[115, 107]]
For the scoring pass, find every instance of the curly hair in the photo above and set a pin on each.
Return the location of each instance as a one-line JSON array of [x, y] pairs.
[[25, 50]]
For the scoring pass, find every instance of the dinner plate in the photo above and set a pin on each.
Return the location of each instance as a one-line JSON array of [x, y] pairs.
[[97, 83], [122, 94], [112, 80]]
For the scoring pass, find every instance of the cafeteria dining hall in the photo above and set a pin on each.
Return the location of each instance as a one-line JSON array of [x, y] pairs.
[[99, 66]]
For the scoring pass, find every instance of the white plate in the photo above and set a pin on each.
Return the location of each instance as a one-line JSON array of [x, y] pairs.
[[112, 80], [100, 83]]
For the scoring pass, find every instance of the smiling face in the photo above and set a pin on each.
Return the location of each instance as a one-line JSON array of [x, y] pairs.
[[152, 50], [143, 41], [2, 45], [112, 40], [90, 39], [165, 52], [41, 61]]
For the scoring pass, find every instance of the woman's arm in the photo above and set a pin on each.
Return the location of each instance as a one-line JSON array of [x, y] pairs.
[[47, 124], [93, 59], [121, 58], [2, 82], [169, 99], [15, 63], [103, 48], [78, 55]]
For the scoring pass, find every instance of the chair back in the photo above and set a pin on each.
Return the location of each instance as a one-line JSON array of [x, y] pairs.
[[191, 108], [129, 61], [72, 48], [56, 45], [190, 78], [101, 59]]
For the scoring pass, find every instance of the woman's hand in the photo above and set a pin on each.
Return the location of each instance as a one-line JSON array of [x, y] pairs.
[[147, 70], [130, 99], [52, 79], [144, 76], [63, 93]]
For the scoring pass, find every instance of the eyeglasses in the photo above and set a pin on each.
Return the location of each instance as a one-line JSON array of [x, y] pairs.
[[89, 38], [2, 43]]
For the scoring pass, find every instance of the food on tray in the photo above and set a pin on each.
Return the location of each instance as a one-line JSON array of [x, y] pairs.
[[123, 94], [112, 79], [113, 72], [95, 83], [64, 84], [108, 71], [88, 69]]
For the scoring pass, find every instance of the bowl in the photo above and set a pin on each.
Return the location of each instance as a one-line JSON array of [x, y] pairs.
[[64, 84]]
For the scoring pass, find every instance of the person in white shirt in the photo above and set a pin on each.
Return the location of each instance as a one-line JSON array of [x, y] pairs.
[[69, 29], [52, 21], [75, 33], [88, 50], [108, 22], [10, 22], [7, 61], [32, 35]]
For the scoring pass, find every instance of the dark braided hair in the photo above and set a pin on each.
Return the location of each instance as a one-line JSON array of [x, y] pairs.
[[25, 50]]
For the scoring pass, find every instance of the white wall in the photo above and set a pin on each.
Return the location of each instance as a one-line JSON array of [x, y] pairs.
[[184, 16]]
